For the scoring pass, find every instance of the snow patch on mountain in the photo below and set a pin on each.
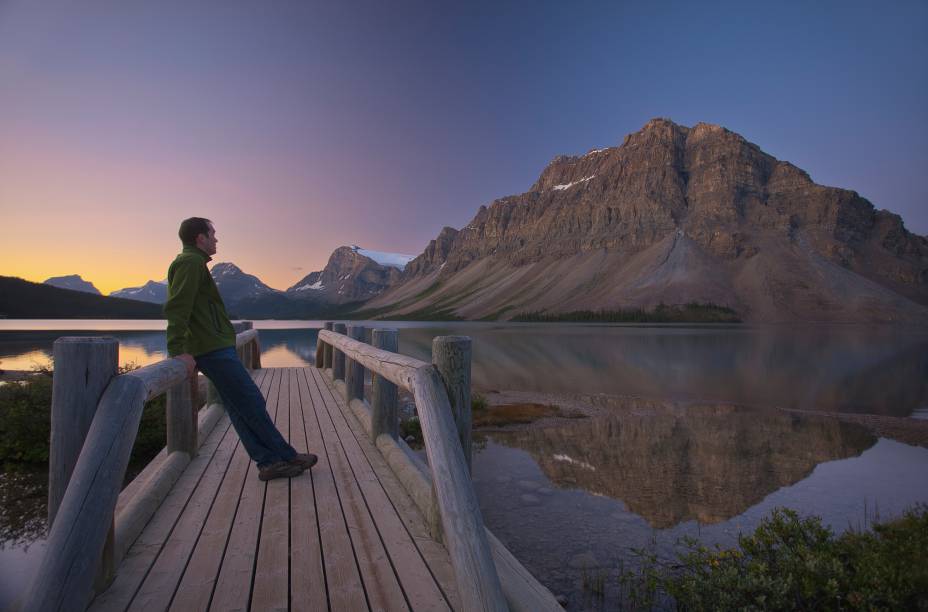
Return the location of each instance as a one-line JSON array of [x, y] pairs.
[[569, 185], [394, 260]]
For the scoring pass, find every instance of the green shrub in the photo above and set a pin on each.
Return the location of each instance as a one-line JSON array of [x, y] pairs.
[[478, 403], [412, 427], [791, 563], [25, 423]]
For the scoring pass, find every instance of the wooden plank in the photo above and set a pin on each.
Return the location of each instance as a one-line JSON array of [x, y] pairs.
[[307, 576], [272, 571], [380, 580], [165, 574], [144, 552], [233, 587], [417, 581], [197, 585], [343, 581]]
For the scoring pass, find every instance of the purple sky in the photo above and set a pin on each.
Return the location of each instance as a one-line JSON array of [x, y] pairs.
[[300, 127]]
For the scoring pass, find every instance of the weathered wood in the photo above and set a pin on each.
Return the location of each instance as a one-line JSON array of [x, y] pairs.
[[462, 522], [384, 416], [207, 417], [235, 576], [65, 577], [327, 348], [137, 563], [137, 512], [414, 475], [362, 412], [83, 369], [354, 371], [270, 587], [159, 377], [396, 368], [452, 356], [320, 353], [414, 575], [198, 583], [338, 357], [182, 405], [343, 580], [307, 576], [241, 326], [380, 580]]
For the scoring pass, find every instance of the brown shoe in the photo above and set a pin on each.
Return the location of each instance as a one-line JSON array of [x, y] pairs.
[[281, 469], [304, 460]]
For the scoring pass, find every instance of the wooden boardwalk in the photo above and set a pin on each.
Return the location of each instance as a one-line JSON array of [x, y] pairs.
[[343, 536]]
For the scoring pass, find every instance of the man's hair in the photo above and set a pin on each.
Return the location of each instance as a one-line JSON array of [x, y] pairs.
[[191, 228]]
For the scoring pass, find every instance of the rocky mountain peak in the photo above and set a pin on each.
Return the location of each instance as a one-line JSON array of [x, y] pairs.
[[351, 274], [678, 214]]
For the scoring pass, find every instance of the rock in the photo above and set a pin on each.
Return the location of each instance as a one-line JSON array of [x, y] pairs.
[[409, 439], [675, 215], [348, 276], [528, 498], [584, 560], [544, 491], [530, 485], [561, 599]]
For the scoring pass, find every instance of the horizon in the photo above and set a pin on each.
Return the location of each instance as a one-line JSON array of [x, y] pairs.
[[299, 129]]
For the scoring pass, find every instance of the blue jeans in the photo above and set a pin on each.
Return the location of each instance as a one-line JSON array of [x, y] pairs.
[[246, 406]]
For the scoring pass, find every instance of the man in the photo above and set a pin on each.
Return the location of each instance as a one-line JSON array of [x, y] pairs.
[[201, 336]]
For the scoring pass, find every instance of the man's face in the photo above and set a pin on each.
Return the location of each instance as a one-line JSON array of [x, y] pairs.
[[207, 242]]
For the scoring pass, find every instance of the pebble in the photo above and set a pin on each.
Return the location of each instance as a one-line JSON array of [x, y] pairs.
[[531, 485], [585, 560], [528, 498]]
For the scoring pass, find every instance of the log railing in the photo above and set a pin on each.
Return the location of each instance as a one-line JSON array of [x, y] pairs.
[[95, 420], [487, 575]]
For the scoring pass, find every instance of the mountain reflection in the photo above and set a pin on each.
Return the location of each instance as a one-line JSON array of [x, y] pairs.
[[873, 370], [671, 464]]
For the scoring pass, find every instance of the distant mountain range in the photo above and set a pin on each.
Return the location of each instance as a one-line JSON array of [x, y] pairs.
[[673, 216], [153, 292], [21, 299], [73, 282]]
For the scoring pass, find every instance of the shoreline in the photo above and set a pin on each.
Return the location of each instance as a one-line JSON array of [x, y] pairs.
[[906, 430]]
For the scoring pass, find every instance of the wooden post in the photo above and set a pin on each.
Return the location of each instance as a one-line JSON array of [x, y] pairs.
[[327, 354], [338, 357], [242, 326], [83, 367], [320, 352], [451, 356], [354, 371], [384, 417], [182, 417]]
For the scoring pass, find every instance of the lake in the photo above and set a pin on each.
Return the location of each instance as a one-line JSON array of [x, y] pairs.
[[692, 440]]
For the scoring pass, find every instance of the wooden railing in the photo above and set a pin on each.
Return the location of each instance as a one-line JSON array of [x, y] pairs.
[[487, 575], [95, 420]]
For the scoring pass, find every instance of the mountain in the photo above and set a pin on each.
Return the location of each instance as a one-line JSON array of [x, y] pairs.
[[673, 463], [153, 292], [673, 215], [235, 285], [352, 274], [21, 299], [73, 282]]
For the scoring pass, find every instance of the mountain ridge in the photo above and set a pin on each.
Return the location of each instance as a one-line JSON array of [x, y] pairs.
[[673, 215]]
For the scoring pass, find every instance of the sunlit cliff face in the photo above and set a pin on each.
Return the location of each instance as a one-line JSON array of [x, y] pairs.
[[672, 464]]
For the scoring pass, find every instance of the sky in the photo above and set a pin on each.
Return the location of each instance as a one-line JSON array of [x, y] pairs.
[[298, 127]]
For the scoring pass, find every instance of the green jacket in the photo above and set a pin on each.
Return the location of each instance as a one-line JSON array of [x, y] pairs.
[[197, 319]]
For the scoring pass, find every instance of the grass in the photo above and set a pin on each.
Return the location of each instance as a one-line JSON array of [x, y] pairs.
[[512, 414]]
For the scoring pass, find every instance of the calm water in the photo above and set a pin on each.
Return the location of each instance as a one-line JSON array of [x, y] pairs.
[[694, 444]]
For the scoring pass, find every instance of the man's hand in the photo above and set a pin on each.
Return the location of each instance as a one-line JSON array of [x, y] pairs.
[[189, 361]]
